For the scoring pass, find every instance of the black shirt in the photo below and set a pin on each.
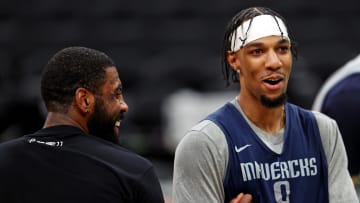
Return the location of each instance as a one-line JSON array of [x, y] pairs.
[[63, 164]]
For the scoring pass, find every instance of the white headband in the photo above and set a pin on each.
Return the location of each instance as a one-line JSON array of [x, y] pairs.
[[261, 26]]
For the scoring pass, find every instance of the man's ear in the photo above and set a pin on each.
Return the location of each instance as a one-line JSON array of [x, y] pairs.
[[233, 60], [84, 100]]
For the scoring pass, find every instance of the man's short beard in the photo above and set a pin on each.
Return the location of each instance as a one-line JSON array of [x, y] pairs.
[[101, 125], [272, 103]]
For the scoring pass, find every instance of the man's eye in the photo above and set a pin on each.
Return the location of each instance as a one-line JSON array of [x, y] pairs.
[[256, 52], [283, 49], [117, 95]]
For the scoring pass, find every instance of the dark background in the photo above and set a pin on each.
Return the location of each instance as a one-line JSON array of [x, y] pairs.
[[160, 46]]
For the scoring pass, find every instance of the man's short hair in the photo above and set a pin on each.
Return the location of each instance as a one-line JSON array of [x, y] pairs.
[[69, 69]]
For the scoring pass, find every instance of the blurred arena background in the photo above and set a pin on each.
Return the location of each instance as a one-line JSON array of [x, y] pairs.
[[168, 56]]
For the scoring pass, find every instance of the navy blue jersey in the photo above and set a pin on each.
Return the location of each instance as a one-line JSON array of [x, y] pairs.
[[345, 94], [298, 174]]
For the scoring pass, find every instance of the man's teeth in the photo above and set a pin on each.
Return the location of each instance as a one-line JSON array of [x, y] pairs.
[[117, 123]]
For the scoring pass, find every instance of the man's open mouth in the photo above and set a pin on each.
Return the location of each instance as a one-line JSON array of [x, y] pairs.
[[273, 81]]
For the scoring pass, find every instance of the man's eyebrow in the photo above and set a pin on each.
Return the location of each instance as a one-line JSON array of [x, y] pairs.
[[259, 44], [283, 40]]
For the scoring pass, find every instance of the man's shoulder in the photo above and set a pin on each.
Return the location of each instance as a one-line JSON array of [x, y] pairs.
[[344, 93], [116, 154], [321, 118], [204, 134], [205, 127]]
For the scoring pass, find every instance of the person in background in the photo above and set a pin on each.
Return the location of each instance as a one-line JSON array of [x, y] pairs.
[[339, 98], [76, 156], [258, 147]]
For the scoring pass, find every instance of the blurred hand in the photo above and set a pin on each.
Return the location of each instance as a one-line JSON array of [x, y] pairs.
[[242, 198]]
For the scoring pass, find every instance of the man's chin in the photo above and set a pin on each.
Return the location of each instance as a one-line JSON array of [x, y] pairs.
[[273, 102]]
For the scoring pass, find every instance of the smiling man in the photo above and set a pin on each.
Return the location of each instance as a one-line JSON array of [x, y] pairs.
[[258, 147], [75, 157]]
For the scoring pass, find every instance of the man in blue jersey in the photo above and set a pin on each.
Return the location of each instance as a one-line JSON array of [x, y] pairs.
[[258, 147], [339, 98]]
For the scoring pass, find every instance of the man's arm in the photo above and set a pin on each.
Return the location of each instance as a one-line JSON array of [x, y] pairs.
[[199, 165]]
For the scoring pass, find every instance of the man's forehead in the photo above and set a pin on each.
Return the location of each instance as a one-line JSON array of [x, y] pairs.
[[111, 72], [112, 76]]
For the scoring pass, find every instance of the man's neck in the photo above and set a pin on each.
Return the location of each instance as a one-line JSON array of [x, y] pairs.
[[56, 118], [271, 120]]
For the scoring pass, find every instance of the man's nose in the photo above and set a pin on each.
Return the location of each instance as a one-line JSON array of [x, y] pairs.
[[124, 107], [273, 60]]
